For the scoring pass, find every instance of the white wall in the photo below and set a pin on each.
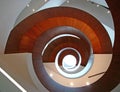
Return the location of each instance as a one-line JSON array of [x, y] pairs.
[[99, 12], [6, 85], [16, 65], [9, 10]]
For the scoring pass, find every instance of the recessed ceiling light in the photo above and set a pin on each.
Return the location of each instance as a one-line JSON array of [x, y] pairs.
[[108, 11], [33, 10], [68, 1], [98, 5], [87, 83], [51, 75], [69, 61], [46, 0], [71, 84], [28, 5]]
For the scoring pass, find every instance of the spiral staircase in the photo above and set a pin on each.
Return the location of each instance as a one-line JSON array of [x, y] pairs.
[[36, 36]]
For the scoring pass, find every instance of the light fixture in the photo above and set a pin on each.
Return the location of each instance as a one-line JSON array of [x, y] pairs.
[[71, 84], [28, 5], [33, 10], [87, 83], [51, 75], [108, 11], [98, 5], [88, 0], [68, 1]]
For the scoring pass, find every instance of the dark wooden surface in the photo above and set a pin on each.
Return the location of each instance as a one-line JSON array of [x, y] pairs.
[[24, 35]]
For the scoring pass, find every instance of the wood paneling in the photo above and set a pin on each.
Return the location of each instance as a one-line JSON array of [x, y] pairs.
[[32, 27]]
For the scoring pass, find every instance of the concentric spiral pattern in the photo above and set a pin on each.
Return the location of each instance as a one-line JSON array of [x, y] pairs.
[[51, 35], [65, 43]]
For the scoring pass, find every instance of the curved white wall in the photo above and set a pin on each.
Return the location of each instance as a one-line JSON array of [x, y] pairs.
[[9, 10]]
